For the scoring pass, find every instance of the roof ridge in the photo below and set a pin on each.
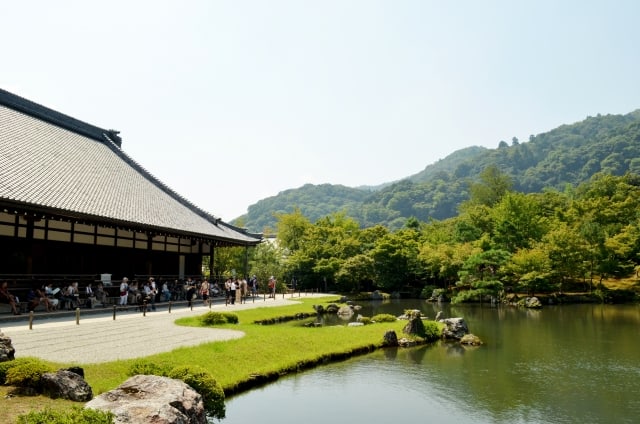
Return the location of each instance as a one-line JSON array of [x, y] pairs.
[[56, 118]]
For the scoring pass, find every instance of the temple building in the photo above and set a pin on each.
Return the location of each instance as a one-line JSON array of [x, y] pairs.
[[73, 203]]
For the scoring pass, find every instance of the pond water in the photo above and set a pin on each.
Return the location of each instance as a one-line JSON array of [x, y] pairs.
[[561, 364]]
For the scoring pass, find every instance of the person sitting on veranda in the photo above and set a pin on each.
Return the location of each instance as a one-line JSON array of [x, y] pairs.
[[6, 297], [166, 292], [91, 296], [50, 292], [101, 295], [74, 293], [65, 298], [35, 298]]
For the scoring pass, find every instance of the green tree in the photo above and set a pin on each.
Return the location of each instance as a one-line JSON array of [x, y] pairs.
[[268, 259], [492, 185], [292, 229], [567, 253], [529, 270], [517, 221], [479, 276], [395, 259]]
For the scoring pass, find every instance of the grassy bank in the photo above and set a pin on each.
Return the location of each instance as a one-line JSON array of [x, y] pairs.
[[266, 352]]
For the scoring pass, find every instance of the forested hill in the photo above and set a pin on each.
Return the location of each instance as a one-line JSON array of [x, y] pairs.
[[569, 154]]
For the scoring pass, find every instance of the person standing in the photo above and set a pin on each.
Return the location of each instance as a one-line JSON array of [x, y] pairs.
[[233, 290], [191, 291], [204, 292], [124, 291], [227, 291], [253, 285], [153, 292], [272, 287]]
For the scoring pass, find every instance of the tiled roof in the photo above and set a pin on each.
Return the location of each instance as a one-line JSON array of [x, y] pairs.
[[47, 165]]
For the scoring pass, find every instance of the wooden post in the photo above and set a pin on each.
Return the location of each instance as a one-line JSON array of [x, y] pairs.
[[30, 320], [77, 316], [114, 312]]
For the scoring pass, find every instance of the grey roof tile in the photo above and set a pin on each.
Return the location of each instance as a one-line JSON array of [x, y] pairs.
[[48, 165]]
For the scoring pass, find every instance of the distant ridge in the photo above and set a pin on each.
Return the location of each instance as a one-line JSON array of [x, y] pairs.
[[567, 155]]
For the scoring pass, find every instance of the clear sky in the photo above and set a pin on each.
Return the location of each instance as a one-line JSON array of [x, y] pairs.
[[230, 102]]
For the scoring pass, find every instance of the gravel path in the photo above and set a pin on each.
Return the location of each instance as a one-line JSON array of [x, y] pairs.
[[131, 335]]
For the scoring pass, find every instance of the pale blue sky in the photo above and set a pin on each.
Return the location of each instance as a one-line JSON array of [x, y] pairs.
[[230, 102]]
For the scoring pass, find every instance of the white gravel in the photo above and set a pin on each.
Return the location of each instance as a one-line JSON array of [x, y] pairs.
[[131, 335]]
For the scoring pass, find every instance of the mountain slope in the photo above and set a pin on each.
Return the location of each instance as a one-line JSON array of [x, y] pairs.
[[569, 154]]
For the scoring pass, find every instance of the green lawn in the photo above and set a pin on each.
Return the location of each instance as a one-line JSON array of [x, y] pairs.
[[265, 350]]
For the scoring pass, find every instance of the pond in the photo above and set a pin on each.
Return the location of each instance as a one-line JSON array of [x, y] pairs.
[[561, 364]]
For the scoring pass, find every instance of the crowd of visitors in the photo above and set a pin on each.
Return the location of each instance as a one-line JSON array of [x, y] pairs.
[[135, 293]]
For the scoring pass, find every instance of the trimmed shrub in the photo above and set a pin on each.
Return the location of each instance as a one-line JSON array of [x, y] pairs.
[[432, 330], [218, 318], [145, 367], [75, 415], [5, 366], [365, 320], [202, 382], [26, 373], [384, 318]]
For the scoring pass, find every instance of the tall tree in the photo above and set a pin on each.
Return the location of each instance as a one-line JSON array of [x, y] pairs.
[[492, 185]]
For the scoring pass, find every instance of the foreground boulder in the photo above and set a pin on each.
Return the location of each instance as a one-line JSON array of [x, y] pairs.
[[65, 384], [7, 351], [152, 399]]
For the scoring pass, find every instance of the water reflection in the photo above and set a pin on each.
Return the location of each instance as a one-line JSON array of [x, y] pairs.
[[561, 364]]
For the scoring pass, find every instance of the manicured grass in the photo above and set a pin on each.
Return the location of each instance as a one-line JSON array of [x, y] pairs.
[[265, 352]]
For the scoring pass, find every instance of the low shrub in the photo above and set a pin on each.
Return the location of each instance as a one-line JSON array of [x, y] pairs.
[[146, 367], [432, 330], [365, 320], [202, 382], [75, 415], [5, 366], [218, 318], [26, 373], [384, 318]]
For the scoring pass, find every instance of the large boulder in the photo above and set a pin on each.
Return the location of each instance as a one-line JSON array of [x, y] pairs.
[[454, 328], [345, 311], [390, 339], [65, 384], [152, 399], [7, 351], [415, 326]]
